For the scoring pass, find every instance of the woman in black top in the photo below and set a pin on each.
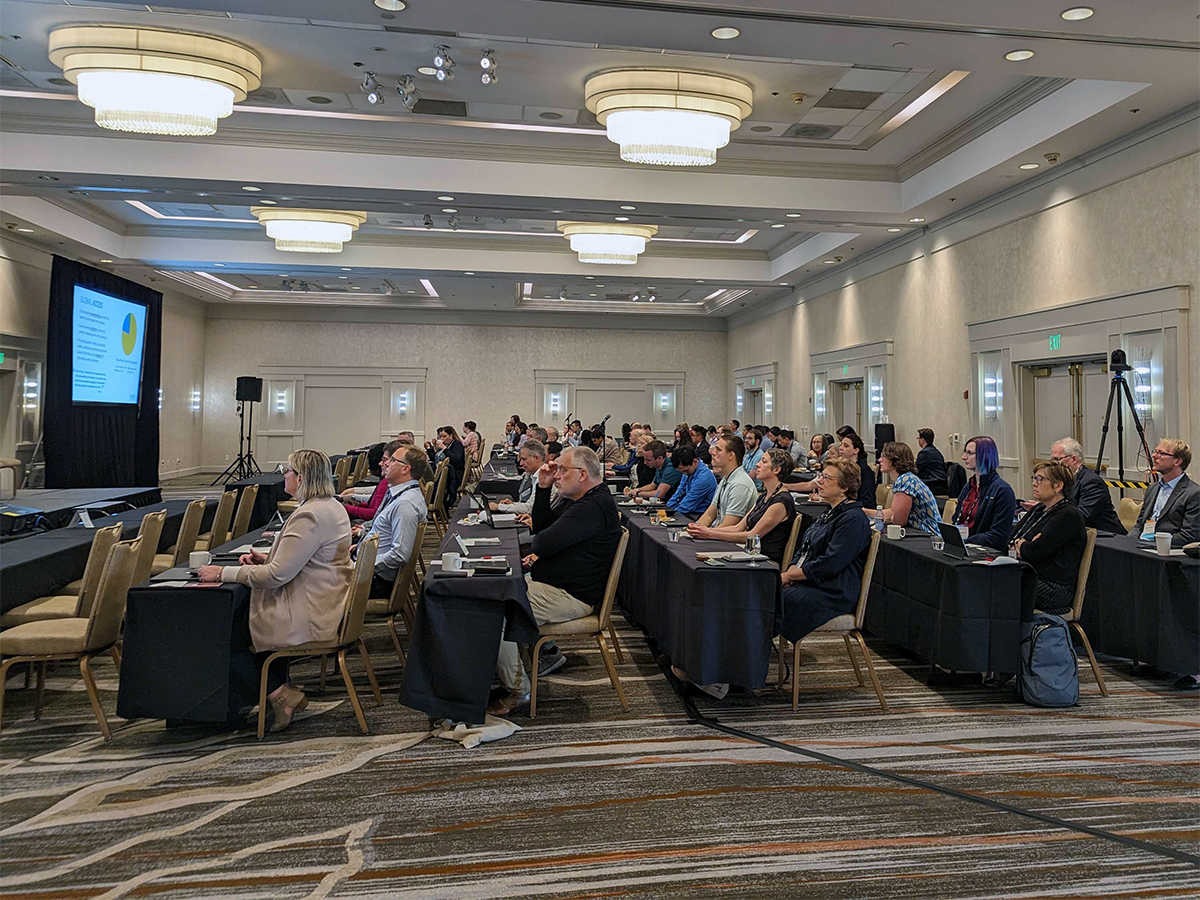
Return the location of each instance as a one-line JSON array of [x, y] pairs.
[[448, 446], [1052, 538], [852, 448], [772, 516]]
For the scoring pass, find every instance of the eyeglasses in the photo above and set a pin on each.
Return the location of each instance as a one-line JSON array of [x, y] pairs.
[[1038, 479], [568, 468], [1054, 458], [824, 477], [1157, 452], [288, 470]]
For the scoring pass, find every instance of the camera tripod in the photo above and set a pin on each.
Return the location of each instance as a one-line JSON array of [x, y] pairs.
[[1119, 367], [245, 466]]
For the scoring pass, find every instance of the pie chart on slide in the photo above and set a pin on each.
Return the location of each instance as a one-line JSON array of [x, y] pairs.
[[129, 334]]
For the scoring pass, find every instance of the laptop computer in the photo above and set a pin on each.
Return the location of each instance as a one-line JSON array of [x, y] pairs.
[[957, 548]]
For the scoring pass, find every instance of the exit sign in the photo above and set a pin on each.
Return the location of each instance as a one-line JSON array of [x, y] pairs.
[[752, 382], [846, 369], [1, 356], [1056, 342]]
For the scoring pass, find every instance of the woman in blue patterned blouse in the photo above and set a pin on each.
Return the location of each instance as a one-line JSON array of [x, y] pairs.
[[913, 505]]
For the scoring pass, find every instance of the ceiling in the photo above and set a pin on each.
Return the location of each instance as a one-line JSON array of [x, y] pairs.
[[867, 115]]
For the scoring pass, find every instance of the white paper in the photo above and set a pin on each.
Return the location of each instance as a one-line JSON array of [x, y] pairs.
[[1154, 550], [479, 541], [503, 518], [171, 584]]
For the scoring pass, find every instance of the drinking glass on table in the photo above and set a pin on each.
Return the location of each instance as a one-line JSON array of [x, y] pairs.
[[754, 547]]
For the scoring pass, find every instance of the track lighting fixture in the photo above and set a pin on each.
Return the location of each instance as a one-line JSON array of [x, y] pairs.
[[489, 77], [443, 63], [406, 87], [636, 296], [652, 297], [562, 292], [370, 87], [488, 60], [427, 220], [453, 223]]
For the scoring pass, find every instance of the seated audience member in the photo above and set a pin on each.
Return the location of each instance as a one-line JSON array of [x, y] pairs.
[[552, 435], [987, 504], [700, 444], [537, 433], [913, 503], [407, 437], [1089, 493], [712, 435], [931, 465], [787, 441], [298, 589], [635, 467], [736, 493], [818, 451], [825, 575], [511, 434], [851, 447], [735, 426], [606, 448], [1173, 503], [585, 439], [362, 506], [530, 458], [843, 431], [522, 434], [1052, 538], [666, 476], [772, 515], [574, 543], [683, 435], [696, 487], [770, 437], [470, 437], [448, 446], [524, 509], [573, 430], [754, 453], [396, 521], [626, 431]]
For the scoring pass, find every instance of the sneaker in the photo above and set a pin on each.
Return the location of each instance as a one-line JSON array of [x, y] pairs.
[[548, 663], [548, 649]]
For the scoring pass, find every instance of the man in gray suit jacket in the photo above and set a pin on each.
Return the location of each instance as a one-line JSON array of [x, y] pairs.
[[1174, 502]]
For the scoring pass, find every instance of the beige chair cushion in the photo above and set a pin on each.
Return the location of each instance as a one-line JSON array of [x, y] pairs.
[[378, 606], [44, 638], [162, 562], [73, 588], [42, 609], [840, 623], [586, 625]]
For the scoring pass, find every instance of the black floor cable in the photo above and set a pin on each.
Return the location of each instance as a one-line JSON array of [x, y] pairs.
[[695, 717]]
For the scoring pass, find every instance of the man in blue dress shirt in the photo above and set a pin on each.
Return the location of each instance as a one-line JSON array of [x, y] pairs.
[[698, 485]]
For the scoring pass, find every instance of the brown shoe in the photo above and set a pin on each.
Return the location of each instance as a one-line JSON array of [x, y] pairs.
[[507, 705], [286, 704]]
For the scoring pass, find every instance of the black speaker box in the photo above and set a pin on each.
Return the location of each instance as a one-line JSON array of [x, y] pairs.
[[249, 388], [883, 434]]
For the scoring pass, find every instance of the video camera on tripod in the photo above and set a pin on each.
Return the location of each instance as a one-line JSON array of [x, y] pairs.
[[1119, 365]]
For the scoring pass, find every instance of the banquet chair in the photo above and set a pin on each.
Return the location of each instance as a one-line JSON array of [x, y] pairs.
[[219, 533], [437, 506], [948, 511], [360, 469], [589, 626], [15, 466], [1128, 511], [79, 638], [189, 530], [789, 551], [848, 626], [349, 636], [883, 495], [341, 475], [245, 509], [69, 605], [150, 529], [1072, 615], [403, 597]]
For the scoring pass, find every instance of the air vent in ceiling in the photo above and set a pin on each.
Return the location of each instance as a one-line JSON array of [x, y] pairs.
[[836, 99], [268, 96], [427, 107], [812, 132]]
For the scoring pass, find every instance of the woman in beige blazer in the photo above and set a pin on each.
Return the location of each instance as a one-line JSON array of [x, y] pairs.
[[298, 590]]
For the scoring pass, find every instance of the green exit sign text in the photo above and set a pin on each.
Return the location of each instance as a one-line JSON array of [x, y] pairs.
[[846, 369], [1056, 342]]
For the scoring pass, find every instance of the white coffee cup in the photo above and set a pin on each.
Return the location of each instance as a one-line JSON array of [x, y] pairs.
[[895, 532], [965, 531], [198, 558], [1162, 543], [450, 562]]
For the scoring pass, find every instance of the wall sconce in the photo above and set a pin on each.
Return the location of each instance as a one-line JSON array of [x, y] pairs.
[[554, 404], [160, 398], [31, 394], [195, 401], [402, 404], [663, 402], [281, 401]]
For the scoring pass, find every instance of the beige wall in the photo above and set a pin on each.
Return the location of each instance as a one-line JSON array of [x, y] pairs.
[[473, 372], [1139, 233]]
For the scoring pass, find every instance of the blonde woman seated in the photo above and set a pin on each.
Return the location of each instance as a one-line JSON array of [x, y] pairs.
[[772, 516], [298, 590]]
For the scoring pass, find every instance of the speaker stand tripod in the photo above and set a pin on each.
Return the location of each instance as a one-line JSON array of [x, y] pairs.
[[245, 466], [1119, 368]]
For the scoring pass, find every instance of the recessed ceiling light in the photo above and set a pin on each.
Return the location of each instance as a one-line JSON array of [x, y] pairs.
[[783, 284], [78, 193], [778, 225], [760, 129], [391, 5], [468, 273], [699, 281], [590, 277], [917, 219], [427, 70], [1018, 55], [445, 198], [222, 265], [1028, 166], [345, 268], [319, 100], [412, 292], [106, 260], [47, 178], [1078, 13], [550, 115], [725, 33], [449, 209], [622, 218], [268, 202], [343, 276], [251, 188], [355, 287], [629, 207], [25, 230], [795, 215], [895, 230], [829, 262], [591, 295], [599, 285]]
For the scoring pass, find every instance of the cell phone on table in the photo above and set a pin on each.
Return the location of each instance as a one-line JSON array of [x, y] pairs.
[[715, 563]]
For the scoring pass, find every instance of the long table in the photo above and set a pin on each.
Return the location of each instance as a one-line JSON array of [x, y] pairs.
[[270, 494], [1143, 606], [498, 477], [957, 614], [716, 623], [187, 651], [40, 564], [456, 634]]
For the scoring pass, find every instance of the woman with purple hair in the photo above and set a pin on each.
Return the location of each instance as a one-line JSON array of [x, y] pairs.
[[987, 504]]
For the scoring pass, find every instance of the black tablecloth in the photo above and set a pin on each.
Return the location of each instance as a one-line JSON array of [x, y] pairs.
[[1143, 606], [270, 493], [494, 483], [40, 564], [714, 623], [456, 635], [186, 652], [957, 614]]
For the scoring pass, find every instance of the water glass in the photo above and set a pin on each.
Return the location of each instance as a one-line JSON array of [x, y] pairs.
[[754, 547], [939, 543], [673, 535]]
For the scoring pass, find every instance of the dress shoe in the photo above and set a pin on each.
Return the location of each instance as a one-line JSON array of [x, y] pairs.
[[286, 704], [1187, 683], [507, 705]]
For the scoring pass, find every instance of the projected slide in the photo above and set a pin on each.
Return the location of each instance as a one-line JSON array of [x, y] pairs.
[[107, 350]]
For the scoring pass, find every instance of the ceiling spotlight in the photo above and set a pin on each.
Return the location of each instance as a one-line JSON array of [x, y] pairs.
[[916, 219], [444, 75], [652, 298], [370, 87], [1018, 55], [441, 58], [391, 5], [489, 77], [636, 296], [725, 33], [453, 223], [1028, 167], [487, 60], [562, 292], [1078, 13], [427, 220]]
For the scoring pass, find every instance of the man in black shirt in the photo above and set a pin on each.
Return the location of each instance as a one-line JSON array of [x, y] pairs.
[[574, 543], [1089, 492], [931, 465]]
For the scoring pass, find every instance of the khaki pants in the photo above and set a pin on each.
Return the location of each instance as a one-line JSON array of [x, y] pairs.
[[549, 604]]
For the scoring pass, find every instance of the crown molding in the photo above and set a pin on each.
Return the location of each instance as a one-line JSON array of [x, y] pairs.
[[92, 214]]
